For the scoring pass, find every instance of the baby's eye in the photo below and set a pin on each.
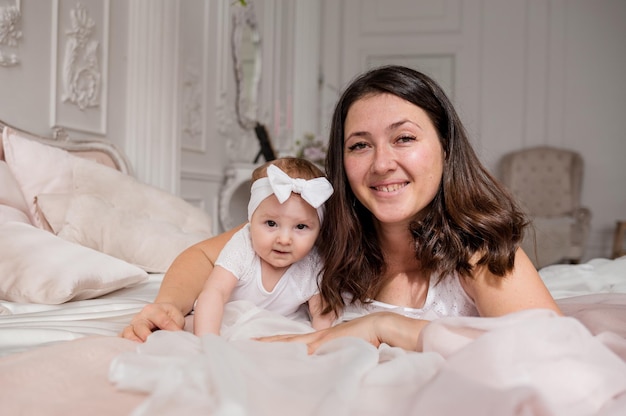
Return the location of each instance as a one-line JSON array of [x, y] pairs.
[[270, 223], [301, 226]]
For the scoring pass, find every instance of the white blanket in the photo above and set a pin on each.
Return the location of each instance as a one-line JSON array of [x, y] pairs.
[[531, 362]]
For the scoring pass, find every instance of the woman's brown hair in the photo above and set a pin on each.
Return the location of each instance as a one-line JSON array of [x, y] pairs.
[[471, 214]]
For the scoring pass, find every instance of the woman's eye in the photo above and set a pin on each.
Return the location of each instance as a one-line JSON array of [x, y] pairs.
[[357, 146], [406, 139]]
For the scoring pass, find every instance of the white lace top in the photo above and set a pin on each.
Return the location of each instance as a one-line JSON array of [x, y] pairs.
[[446, 298], [293, 289]]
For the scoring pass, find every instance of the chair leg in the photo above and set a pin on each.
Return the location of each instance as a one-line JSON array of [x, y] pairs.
[[618, 240]]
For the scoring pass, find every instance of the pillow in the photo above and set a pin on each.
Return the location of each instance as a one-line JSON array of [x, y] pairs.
[[131, 235], [127, 193], [8, 213], [39, 267], [12, 203], [37, 168]]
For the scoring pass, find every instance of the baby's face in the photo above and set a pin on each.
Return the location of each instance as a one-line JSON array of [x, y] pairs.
[[283, 234]]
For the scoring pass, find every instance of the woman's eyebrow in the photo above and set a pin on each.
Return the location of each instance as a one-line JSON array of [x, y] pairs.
[[391, 127], [356, 134], [400, 123]]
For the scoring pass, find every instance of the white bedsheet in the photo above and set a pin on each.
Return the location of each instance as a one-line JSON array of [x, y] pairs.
[[531, 362], [24, 326], [596, 276], [526, 363]]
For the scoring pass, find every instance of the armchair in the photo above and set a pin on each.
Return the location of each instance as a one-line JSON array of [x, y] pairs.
[[547, 182]]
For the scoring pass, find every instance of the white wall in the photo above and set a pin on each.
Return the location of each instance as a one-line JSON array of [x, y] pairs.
[[521, 72]]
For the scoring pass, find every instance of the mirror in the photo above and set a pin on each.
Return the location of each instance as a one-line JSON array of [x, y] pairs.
[[246, 48], [247, 62]]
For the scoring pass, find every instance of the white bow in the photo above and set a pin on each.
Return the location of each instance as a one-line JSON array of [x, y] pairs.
[[314, 191]]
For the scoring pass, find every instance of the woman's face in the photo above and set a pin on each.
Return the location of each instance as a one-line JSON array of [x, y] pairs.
[[392, 156]]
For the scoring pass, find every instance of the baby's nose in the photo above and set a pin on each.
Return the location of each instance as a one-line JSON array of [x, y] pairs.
[[284, 237]]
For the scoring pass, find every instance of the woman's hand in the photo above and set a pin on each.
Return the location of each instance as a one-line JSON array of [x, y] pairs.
[[152, 317], [375, 328]]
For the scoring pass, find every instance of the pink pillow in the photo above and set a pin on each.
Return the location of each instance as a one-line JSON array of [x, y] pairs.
[[136, 237], [116, 214], [39, 267], [10, 214], [37, 168], [12, 204]]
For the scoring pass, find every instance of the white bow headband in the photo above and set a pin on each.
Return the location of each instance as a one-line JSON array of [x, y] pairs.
[[314, 191]]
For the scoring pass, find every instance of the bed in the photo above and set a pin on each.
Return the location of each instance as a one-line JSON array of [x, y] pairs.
[[84, 246]]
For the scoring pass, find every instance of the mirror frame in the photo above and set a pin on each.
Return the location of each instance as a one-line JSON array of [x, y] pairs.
[[246, 107]]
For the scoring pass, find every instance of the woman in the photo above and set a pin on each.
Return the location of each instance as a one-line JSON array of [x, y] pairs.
[[416, 224]]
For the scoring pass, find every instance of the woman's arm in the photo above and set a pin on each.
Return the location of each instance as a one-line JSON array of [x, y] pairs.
[[209, 309], [180, 287], [375, 328], [493, 295], [318, 320], [521, 289]]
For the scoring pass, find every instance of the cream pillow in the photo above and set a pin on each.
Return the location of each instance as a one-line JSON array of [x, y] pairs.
[[127, 193], [12, 203], [37, 168], [8, 214], [38, 267], [131, 235]]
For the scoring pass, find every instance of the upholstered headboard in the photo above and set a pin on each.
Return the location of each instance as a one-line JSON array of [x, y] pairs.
[[67, 187], [96, 149]]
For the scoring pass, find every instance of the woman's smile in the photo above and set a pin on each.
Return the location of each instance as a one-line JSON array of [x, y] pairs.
[[390, 187]]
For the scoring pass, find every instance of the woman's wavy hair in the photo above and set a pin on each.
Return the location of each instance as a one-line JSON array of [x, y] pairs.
[[471, 215]]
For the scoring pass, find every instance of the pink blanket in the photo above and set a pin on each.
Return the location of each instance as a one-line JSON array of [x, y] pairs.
[[529, 363]]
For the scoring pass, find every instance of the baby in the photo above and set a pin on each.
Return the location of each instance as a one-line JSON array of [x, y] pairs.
[[272, 260]]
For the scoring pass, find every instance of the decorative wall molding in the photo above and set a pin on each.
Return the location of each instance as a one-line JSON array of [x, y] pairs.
[[10, 33], [201, 176], [152, 100], [80, 33], [192, 111], [82, 73], [395, 17]]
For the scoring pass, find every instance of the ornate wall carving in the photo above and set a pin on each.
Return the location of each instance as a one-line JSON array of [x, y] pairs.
[[10, 34], [82, 74], [79, 65]]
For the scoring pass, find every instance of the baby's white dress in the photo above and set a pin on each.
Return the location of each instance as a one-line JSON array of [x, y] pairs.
[[293, 289]]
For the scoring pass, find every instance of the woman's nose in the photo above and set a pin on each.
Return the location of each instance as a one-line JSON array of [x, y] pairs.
[[384, 160]]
